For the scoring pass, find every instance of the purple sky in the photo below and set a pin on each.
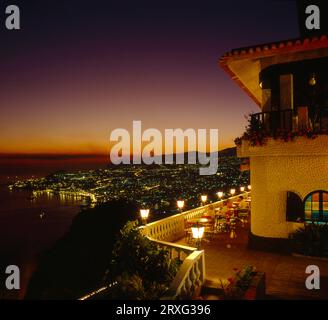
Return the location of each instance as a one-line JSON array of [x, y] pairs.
[[79, 69]]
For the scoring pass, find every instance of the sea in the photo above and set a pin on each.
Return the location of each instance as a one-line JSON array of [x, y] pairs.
[[30, 224]]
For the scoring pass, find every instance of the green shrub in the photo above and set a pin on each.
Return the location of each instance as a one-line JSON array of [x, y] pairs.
[[142, 269], [311, 240]]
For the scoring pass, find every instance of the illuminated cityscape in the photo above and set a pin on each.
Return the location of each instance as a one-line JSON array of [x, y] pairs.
[[157, 187], [96, 202]]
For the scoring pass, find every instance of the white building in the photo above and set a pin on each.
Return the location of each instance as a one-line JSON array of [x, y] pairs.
[[287, 141]]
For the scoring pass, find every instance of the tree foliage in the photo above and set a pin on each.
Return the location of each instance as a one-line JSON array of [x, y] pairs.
[[142, 269]]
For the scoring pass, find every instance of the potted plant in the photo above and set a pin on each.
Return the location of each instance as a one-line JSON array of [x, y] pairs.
[[246, 284], [311, 240]]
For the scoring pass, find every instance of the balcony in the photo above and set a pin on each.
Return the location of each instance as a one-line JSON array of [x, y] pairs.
[[287, 121], [267, 132], [272, 122], [214, 261]]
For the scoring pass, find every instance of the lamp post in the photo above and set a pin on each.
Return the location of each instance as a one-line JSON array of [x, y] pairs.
[[144, 214], [220, 195], [204, 199], [198, 233], [232, 191], [180, 204], [249, 187], [242, 189]]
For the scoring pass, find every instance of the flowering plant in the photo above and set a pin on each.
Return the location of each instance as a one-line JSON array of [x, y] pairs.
[[257, 135], [238, 284]]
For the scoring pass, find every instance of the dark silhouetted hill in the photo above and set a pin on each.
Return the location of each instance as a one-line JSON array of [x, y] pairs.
[[77, 263]]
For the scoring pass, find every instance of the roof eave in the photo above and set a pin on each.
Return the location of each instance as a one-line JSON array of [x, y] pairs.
[[267, 50]]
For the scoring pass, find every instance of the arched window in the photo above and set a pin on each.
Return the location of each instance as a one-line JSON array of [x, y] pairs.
[[316, 206]]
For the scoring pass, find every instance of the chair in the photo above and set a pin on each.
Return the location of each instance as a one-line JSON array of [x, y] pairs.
[[236, 213], [210, 229], [221, 224], [243, 216]]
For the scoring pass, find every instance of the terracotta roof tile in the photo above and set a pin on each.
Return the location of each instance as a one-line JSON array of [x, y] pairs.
[[269, 47]]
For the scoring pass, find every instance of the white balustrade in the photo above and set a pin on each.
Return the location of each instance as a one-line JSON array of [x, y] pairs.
[[173, 228], [191, 274], [175, 250]]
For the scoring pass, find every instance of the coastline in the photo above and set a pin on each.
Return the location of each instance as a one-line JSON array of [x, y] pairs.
[[21, 243]]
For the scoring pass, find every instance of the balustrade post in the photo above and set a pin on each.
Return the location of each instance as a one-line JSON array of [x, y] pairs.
[[202, 268]]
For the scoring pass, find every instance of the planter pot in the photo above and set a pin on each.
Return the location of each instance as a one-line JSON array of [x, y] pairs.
[[256, 290]]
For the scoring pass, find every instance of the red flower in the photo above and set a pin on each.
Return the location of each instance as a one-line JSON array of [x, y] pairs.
[[231, 280], [250, 294]]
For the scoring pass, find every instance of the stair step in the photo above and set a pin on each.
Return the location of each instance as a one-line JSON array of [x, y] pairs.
[[212, 288]]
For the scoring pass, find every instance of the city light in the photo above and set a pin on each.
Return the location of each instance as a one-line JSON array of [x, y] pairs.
[[99, 186], [232, 191], [242, 189], [249, 187]]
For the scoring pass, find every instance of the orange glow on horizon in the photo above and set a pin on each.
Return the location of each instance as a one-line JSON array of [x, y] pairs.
[[42, 146]]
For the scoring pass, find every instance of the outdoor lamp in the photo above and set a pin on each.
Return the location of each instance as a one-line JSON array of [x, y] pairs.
[[180, 204], [232, 191], [144, 213], [204, 198], [242, 189], [312, 80], [198, 233], [220, 194], [249, 187]]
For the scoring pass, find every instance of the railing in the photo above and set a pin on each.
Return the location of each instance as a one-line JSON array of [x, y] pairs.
[[191, 274], [315, 119], [173, 228], [320, 120], [175, 250], [272, 121]]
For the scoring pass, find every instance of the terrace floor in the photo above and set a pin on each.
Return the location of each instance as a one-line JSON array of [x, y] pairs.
[[285, 274]]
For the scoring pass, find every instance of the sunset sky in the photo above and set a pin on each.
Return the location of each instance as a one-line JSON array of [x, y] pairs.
[[79, 69]]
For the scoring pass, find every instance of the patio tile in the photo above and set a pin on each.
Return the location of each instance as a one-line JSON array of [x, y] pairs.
[[285, 275]]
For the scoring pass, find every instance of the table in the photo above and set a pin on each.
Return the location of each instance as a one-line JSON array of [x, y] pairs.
[[199, 220]]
